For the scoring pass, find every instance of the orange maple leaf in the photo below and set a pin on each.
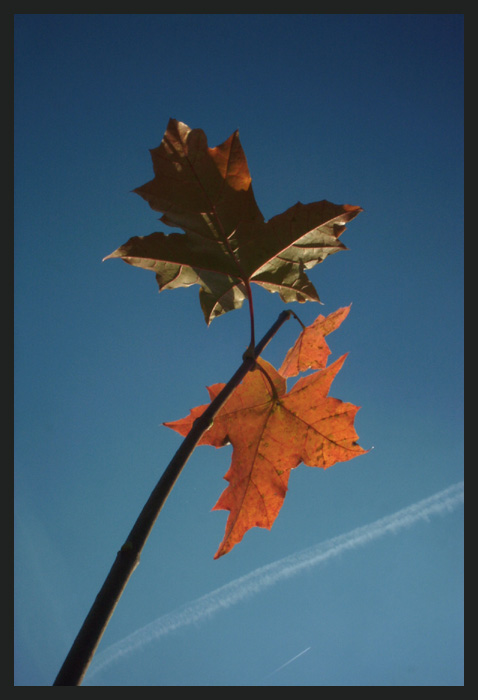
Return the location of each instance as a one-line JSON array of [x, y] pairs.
[[310, 351], [272, 431]]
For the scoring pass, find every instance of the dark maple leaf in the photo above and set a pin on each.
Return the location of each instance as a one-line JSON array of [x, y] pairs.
[[272, 431], [226, 243]]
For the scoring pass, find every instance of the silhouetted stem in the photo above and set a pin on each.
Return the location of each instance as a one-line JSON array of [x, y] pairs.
[[127, 559], [251, 314], [297, 319]]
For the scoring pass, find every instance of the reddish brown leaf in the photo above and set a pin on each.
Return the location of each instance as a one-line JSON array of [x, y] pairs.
[[310, 350], [272, 432], [226, 244]]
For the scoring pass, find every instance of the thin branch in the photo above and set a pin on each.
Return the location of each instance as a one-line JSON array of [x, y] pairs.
[[251, 313], [297, 319], [127, 559]]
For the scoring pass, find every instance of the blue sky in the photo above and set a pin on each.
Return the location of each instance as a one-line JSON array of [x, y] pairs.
[[360, 109]]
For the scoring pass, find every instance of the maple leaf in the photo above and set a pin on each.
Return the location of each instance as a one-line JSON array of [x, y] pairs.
[[226, 243], [310, 351], [272, 431]]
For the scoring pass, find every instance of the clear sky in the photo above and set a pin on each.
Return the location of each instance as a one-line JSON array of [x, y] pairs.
[[362, 109]]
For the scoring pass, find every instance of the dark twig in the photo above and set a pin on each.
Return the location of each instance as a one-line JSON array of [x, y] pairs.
[[83, 649]]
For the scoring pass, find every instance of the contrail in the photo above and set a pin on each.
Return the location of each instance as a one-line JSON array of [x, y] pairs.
[[256, 581], [288, 662]]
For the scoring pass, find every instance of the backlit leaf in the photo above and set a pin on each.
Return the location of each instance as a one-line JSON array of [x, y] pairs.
[[310, 350], [272, 431], [226, 244]]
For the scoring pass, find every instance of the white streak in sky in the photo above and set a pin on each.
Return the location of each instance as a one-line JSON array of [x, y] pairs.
[[288, 662], [256, 581]]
